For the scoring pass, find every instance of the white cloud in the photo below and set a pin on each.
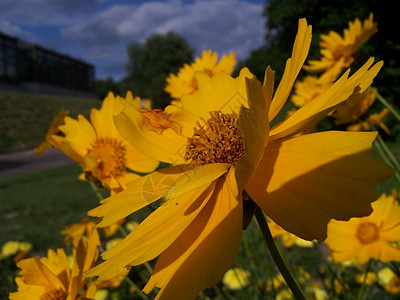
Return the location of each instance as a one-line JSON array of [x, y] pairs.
[[220, 25], [99, 30], [16, 31]]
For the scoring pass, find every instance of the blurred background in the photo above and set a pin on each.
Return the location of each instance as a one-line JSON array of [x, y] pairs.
[[81, 50], [70, 53]]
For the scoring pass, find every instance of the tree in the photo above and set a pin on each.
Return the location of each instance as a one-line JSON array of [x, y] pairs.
[[150, 64], [103, 87], [281, 25]]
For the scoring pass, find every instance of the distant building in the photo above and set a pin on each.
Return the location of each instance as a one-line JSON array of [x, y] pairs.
[[32, 67]]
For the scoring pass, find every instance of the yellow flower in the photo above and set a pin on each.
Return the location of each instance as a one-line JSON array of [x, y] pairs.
[[367, 237], [76, 231], [373, 121], [389, 280], [131, 225], [53, 129], [111, 243], [185, 83], [371, 278], [221, 150], [10, 248], [52, 278], [104, 154], [101, 295], [307, 89], [351, 110], [338, 51], [288, 239], [312, 293], [25, 246], [236, 279]]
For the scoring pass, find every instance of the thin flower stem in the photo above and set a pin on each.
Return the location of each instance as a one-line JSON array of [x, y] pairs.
[[362, 288], [389, 153], [273, 250], [96, 190], [122, 229], [221, 291], [385, 103], [137, 289], [148, 267], [385, 158]]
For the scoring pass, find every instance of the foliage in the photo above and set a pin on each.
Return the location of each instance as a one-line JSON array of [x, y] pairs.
[[151, 62], [103, 87], [281, 21]]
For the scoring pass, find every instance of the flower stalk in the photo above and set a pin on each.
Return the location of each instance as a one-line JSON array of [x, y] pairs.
[[385, 103], [280, 263]]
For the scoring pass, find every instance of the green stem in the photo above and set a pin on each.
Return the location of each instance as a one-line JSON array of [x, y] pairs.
[[287, 275], [221, 291], [333, 273], [137, 289], [122, 229], [389, 153], [362, 288], [96, 190], [385, 103], [385, 158]]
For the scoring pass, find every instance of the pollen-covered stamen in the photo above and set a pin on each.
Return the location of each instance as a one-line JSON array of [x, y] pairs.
[[54, 295], [217, 141], [106, 158]]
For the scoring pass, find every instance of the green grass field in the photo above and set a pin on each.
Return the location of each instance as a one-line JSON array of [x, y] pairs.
[[36, 206], [25, 117]]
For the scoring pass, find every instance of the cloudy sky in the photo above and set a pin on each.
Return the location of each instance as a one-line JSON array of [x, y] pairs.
[[98, 31]]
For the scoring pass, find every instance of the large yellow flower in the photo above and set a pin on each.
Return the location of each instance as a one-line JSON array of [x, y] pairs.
[[185, 83], [338, 51], [52, 278], [368, 237], [104, 154], [221, 150]]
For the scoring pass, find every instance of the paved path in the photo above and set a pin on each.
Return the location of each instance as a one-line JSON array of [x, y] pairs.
[[26, 161]]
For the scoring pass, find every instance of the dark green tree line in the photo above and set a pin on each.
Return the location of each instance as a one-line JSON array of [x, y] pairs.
[[151, 62]]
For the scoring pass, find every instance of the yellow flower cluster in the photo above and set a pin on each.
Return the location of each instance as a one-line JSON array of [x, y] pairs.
[[337, 53], [222, 150], [18, 250]]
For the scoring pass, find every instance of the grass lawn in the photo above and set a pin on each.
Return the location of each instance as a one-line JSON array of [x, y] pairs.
[[36, 206], [25, 117]]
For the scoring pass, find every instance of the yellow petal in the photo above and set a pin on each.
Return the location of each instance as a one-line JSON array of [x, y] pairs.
[[102, 119], [324, 103], [33, 271], [167, 145], [254, 126], [26, 291], [303, 182], [220, 92], [156, 233], [140, 193], [204, 251], [292, 67]]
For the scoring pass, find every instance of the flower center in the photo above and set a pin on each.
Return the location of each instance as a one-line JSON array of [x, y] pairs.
[[106, 158], [217, 141], [54, 295], [367, 233]]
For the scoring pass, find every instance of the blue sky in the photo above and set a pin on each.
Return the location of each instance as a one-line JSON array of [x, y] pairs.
[[98, 31]]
